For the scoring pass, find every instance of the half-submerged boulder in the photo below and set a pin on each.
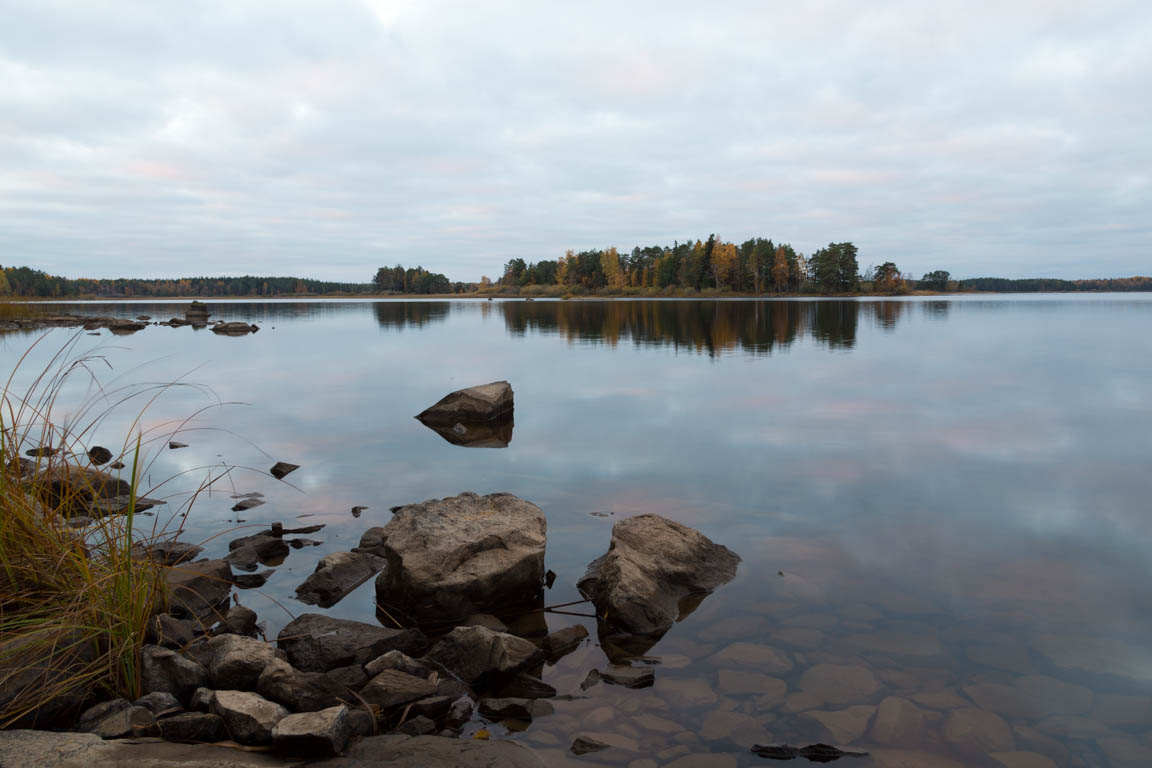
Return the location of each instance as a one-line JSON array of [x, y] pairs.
[[453, 557], [487, 402], [197, 314], [234, 329], [654, 573], [336, 575]]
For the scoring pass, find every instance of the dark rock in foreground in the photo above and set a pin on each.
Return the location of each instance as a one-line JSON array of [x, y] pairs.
[[317, 643], [652, 565], [198, 589], [450, 558], [487, 402], [481, 657], [336, 575]]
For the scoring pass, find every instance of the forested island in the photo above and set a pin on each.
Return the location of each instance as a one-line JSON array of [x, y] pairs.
[[711, 267]]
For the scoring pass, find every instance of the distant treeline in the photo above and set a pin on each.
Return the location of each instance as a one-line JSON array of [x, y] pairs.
[[32, 283], [1052, 285]]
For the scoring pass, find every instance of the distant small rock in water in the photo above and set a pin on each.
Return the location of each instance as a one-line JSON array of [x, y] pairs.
[[356, 511], [487, 402], [282, 468], [43, 451], [173, 445], [234, 329]]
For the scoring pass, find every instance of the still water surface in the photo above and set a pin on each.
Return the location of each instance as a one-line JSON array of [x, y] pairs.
[[942, 505]]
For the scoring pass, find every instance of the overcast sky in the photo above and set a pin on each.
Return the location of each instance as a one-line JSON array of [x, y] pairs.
[[325, 139]]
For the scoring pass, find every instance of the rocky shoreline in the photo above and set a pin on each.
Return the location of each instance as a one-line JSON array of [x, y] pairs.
[[196, 316]]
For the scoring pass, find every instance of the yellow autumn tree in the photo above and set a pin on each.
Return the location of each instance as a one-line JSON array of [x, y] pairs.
[[610, 264], [780, 270], [564, 268], [723, 263]]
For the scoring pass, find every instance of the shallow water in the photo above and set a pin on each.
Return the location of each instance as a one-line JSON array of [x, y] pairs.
[[945, 500]]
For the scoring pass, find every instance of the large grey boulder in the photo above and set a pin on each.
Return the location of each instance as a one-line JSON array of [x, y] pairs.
[[317, 643], [336, 575], [239, 662], [314, 733], [453, 557], [651, 565], [487, 402], [481, 657], [249, 718]]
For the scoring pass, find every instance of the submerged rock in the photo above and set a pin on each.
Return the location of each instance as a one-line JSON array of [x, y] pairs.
[[652, 567], [487, 402], [234, 329], [336, 575], [197, 314], [453, 557]]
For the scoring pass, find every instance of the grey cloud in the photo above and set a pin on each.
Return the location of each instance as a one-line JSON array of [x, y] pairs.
[[326, 139]]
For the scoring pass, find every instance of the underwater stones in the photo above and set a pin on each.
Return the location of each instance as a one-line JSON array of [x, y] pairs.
[[898, 722], [976, 730], [840, 684], [461, 555], [763, 658], [652, 564], [843, 725]]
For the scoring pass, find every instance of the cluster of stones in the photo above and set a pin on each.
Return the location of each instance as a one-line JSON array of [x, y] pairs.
[[196, 316]]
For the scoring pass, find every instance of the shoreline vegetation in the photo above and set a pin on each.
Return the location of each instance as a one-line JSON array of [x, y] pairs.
[[701, 269]]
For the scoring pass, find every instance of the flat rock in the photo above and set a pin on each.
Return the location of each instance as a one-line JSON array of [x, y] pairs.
[[526, 686], [487, 402], [317, 643], [564, 641], [193, 726], [159, 702], [336, 575], [651, 565], [391, 689], [325, 732], [479, 656], [628, 676], [167, 552], [249, 717], [462, 555], [597, 741], [399, 661], [840, 684]]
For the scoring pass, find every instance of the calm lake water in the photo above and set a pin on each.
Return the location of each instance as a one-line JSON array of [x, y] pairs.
[[942, 506]]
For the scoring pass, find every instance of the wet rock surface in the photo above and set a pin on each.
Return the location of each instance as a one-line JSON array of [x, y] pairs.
[[652, 564], [453, 557], [479, 656], [336, 575], [487, 402]]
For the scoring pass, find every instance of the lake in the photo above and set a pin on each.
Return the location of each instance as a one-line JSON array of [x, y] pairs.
[[942, 504]]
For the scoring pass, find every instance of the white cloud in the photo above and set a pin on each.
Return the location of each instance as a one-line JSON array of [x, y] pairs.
[[998, 138]]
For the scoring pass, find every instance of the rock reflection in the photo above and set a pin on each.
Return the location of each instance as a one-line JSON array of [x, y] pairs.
[[493, 434], [706, 327]]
